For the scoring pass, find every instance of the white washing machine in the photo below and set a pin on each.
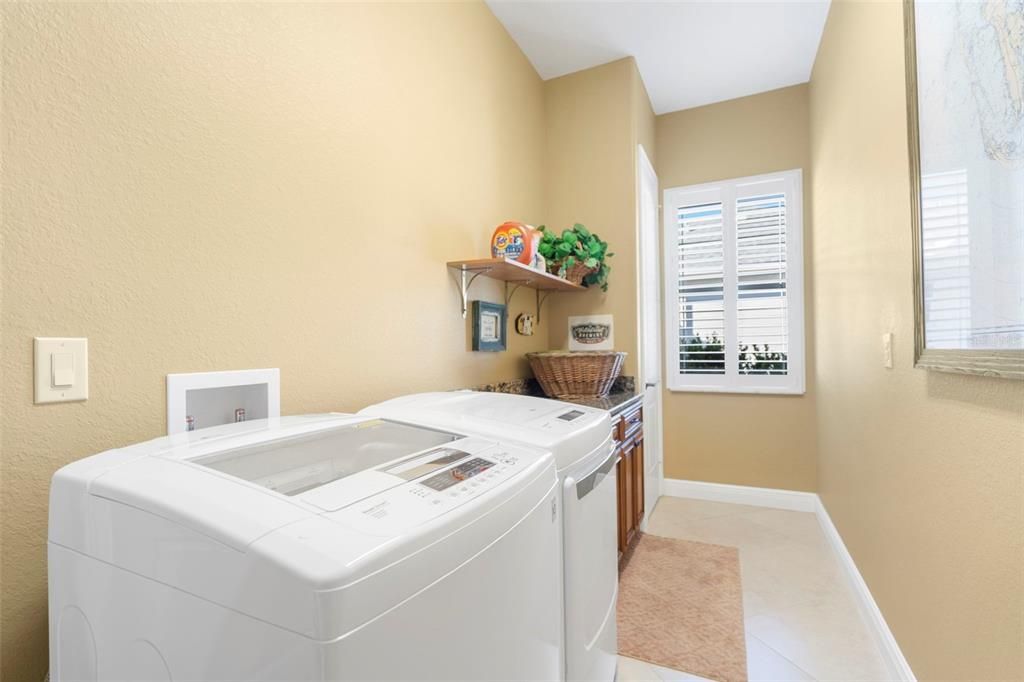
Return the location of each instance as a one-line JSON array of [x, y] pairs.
[[581, 440], [326, 547]]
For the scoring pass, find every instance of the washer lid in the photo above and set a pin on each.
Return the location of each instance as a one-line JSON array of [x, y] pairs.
[[570, 431], [309, 461], [236, 489]]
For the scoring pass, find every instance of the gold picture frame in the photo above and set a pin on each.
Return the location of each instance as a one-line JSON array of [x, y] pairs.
[[997, 363]]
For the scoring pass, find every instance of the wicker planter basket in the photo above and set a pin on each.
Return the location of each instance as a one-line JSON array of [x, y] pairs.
[[582, 374], [574, 273]]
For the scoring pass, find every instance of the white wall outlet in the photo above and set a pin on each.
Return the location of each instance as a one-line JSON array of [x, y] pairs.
[[887, 350], [61, 369]]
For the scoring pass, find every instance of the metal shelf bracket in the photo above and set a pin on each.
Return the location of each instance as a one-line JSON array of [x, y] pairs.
[[540, 301], [466, 281], [510, 294], [539, 295]]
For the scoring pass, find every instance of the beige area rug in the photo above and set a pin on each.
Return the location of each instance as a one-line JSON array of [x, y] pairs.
[[681, 607]]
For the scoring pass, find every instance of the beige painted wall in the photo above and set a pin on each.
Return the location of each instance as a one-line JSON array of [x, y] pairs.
[[921, 471], [218, 186], [644, 125], [773, 443], [589, 180], [595, 119], [645, 121]]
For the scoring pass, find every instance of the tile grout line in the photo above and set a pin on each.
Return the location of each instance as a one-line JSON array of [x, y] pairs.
[[778, 653]]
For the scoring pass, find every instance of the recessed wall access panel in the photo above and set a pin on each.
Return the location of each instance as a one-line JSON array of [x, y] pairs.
[[203, 399]]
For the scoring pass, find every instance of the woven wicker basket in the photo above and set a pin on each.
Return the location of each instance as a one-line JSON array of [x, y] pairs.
[[581, 374]]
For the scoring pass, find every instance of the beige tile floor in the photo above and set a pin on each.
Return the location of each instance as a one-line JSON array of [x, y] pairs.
[[801, 619]]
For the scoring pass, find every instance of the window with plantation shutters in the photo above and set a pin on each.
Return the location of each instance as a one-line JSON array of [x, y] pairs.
[[734, 279]]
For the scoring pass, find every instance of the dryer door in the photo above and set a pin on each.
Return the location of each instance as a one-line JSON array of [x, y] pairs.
[[591, 571]]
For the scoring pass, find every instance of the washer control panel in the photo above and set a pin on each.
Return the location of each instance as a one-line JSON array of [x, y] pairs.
[[457, 474], [484, 465]]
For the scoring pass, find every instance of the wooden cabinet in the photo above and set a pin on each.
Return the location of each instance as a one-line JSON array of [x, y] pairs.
[[628, 430]]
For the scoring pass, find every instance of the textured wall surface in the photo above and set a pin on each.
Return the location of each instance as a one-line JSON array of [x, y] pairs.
[[921, 471], [645, 121], [591, 146], [758, 440], [220, 186]]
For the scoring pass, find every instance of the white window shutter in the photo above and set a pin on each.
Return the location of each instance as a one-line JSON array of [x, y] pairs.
[[701, 288], [762, 332], [734, 270]]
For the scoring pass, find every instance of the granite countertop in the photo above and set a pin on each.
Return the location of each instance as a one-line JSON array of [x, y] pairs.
[[614, 402], [622, 395]]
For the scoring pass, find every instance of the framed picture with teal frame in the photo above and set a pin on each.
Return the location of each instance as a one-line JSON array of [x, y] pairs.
[[489, 326]]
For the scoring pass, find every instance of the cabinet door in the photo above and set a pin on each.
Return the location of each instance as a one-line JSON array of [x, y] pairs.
[[629, 501], [620, 482], [638, 482]]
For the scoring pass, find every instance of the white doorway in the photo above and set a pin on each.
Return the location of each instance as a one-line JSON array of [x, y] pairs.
[[649, 314]]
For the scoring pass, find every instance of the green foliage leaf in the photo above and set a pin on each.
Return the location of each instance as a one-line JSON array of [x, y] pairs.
[[576, 245]]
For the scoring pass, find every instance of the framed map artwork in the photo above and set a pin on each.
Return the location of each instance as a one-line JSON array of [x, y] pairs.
[[965, 110]]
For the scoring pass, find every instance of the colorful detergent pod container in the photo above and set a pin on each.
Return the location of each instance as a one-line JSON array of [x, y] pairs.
[[514, 240]]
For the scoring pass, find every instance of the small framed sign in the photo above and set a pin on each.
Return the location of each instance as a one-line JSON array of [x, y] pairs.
[[591, 332], [489, 326]]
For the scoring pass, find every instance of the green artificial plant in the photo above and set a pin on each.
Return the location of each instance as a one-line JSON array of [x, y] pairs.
[[576, 245]]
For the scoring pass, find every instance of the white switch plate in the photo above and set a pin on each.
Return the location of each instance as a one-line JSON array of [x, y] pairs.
[[887, 350], [61, 370]]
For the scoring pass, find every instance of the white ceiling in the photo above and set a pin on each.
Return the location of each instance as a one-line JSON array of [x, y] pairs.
[[689, 52]]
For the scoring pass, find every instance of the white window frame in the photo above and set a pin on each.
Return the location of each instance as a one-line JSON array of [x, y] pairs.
[[726, 192]]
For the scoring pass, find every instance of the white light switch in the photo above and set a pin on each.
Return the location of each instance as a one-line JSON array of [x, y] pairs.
[[61, 369], [887, 350]]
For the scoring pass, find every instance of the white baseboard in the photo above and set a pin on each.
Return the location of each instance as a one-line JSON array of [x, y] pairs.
[[774, 498], [794, 500], [887, 644]]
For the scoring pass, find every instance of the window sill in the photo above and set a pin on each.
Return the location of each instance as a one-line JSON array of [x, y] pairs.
[[796, 391]]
